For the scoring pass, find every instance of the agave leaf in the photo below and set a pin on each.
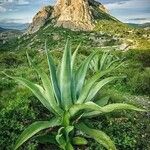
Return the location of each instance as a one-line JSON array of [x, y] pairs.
[[60, 139], [48, 90], [94, 65], [29, 60], [85, 106], [110, 58], [79, 141], [112, 63], [69, 147], [35, 128], [81, 73], [68, 130], [103, 101], [103, 60], [120, 106], [112, 107], [73, 90], [98, 86], [37, 90], [119, 65], [53, 75], [49, 95], [98, 135], [65, 78], [74, 56], [87, 87], [85, 90]]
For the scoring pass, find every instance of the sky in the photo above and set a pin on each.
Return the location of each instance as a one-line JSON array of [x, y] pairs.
[[22, 11]]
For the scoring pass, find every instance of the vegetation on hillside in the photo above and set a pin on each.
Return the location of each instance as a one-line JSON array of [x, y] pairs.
[[135, 37], [71, 100], [19, 107]]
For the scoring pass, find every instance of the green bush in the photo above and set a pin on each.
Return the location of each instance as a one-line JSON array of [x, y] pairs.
[[21, 109], [13, 121], [140, 83]]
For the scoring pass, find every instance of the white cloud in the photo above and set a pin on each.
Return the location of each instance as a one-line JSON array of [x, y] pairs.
[[23, 2], [134, 18], [19, 2], [2, 9], [128, 4]]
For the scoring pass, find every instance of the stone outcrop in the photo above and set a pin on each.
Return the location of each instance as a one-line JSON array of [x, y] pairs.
[[72, 14], [40, 19]]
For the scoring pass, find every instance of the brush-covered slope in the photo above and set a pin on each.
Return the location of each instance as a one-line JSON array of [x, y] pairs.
[[57, 23], [2, 29]]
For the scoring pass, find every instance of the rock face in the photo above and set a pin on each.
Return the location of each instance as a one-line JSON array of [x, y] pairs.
[[40, 19], [72, 14]]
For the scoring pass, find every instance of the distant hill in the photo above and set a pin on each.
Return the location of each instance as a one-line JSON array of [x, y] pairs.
[[14, 26], [2, 29], [144, 25], [8, 37]]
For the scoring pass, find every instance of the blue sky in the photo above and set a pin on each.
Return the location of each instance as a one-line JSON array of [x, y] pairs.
[[22, 11]]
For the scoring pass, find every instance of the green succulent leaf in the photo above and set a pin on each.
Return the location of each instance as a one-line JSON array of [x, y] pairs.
[[74, 56], [119, 106], [48, 90], [60, 139], [95, 109], [81, 73], [53, 76], [35, 128], [68, 130], [73, 89], [65, 77], [89, 85], [85, 106], [69, 146], [94, 65], [103, 60], [113, 107], [98, 135], [98, 86], [49, 94], [37, 90], [79, 141], [103, 101], [29, 59], [113, 63]]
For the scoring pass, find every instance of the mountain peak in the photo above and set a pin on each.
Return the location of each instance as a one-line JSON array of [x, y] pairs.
[[75, 15]]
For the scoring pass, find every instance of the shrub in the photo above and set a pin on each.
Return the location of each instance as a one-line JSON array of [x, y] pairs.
[[140, 83]]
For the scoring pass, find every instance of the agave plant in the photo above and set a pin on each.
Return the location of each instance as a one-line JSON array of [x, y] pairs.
[[69, 96], [104, 62]]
